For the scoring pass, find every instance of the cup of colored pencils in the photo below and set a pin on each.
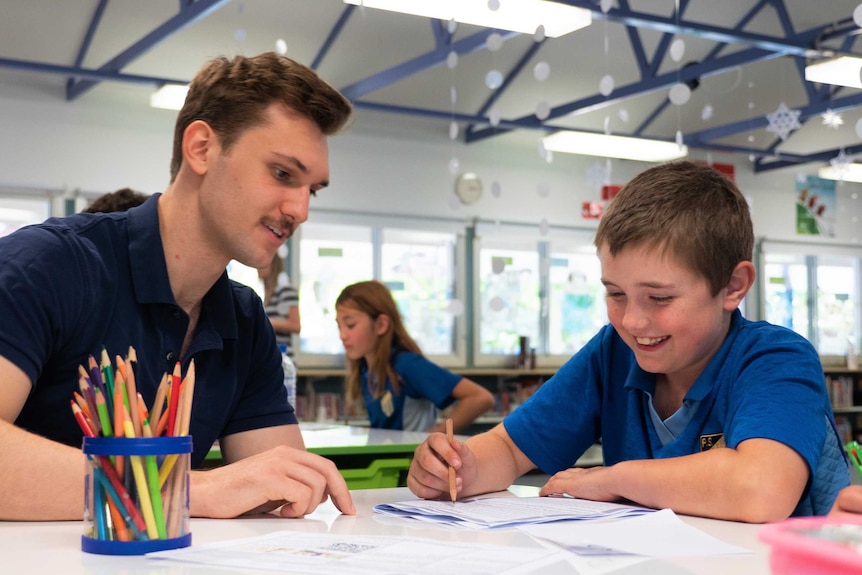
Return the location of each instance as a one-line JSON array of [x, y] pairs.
[[136, 489]]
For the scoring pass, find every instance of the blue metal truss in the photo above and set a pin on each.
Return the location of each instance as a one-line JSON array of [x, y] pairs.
[[757, 47]]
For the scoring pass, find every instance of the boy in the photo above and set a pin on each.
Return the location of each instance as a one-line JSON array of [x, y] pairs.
[[698, 409], [250, 147]]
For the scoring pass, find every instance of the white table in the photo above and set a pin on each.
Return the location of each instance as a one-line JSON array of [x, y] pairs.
[[55, 547]]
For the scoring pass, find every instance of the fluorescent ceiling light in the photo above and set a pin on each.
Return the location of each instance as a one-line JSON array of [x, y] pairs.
[[169, 97], [848, 173], [523, 16], [843, 71], [590, 144]]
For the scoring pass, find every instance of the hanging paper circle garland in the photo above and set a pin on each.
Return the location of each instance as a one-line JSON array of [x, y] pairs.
[[452, 60], [679, 94], [495, 189], [541, 71], [539, 34], [494, 42], [543, 110], [494, 116], [494, 79], [606, 85], [281, 46], [677, 49], [543, 189], [454, 164], [455, 307]]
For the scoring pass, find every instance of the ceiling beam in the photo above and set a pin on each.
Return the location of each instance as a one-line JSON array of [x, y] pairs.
[[421, 63], [190, 12]]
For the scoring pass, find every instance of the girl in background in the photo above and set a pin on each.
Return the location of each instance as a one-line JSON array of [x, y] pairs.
[[281, 303], [400, 387]]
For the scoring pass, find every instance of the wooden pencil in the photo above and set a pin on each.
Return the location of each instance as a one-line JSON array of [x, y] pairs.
[[453, 490]]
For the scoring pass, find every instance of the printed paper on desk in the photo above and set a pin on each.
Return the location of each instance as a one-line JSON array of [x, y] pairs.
[[507, 511], [660, 534], [301, 553]]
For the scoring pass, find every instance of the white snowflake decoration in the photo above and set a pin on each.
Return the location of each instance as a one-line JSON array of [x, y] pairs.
[[783, 121], [840, 163], [832, 119], [598, 175]]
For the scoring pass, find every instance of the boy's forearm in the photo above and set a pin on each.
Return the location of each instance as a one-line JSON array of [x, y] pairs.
[[720, 483], [498, 462]]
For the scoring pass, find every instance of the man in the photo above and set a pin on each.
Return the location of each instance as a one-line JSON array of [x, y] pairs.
[[250, 148]]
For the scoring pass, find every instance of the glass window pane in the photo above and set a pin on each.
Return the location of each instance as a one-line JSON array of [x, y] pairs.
[[330, 258], [786, 290], [19, 212], [836, 302], [419, 269], [509, 298], [576, 301]]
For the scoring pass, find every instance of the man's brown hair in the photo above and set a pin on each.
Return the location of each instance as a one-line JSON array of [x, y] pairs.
[[232, 95], [688, 210]]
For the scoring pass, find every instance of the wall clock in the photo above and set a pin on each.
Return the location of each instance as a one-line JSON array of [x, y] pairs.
[[468, 188]]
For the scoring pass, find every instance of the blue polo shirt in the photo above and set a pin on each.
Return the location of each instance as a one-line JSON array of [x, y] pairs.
[[424, 388], [764, 382], [70, 285]]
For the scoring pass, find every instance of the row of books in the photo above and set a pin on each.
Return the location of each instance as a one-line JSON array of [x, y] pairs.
[[841, 390]]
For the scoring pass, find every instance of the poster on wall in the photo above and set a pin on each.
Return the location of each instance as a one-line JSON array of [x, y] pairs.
[[815, 207]]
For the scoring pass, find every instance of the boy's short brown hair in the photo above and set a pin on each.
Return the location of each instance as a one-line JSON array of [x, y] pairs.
[[232, 95], [686, 209]]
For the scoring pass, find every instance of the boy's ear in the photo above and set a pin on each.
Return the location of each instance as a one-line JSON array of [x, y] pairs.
[[740, 282], [381, 324], [199, 140]]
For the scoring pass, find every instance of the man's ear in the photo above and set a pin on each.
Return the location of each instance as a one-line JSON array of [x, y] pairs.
[[381, 324], [199, 140], [740, 282]]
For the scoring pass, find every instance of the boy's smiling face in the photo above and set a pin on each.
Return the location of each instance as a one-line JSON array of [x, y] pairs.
[[664, 312]]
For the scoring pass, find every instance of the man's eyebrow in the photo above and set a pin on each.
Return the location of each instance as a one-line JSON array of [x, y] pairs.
[[292, 160], [300, 166]]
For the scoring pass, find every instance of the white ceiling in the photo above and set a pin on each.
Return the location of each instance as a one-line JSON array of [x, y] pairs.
[[403, 59]]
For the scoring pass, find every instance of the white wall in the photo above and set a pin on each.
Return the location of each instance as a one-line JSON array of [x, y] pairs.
[[98, 145]]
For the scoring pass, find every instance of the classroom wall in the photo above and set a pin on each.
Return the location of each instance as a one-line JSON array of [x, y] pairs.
[[95, 144]]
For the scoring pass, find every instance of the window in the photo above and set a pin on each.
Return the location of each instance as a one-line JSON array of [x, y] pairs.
[[418, 263], [331, 258], [815, 291], [18, 212], [576, 302], [419, 269], [509, 296], [545, 287]]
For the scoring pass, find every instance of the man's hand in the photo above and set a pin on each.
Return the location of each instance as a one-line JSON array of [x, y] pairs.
[[282, 477]]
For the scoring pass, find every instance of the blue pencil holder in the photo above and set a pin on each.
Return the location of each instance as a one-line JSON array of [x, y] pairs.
[[136, 494]]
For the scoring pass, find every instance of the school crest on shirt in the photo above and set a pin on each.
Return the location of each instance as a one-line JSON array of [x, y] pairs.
[[711, 440], [386, 404]]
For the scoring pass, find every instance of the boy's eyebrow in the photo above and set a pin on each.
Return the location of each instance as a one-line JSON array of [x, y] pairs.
[[647, 284]]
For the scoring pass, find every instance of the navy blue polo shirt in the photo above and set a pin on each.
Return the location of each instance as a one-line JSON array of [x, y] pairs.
[[70, 285]]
